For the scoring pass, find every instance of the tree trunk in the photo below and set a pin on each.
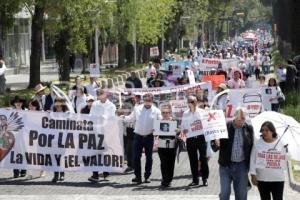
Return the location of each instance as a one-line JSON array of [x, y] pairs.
[[36, 45], [121, 53]]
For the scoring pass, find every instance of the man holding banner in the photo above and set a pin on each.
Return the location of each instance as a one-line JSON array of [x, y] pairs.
[[104, 109], [192, 126], [143, 116], [234, 157]]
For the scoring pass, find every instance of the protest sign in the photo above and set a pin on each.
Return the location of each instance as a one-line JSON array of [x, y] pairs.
[[214, 125], [216, 80], [60, 142], [178, 107], [267, 94], [94, 70], [154, 51], [164, 127], [251, 99], [272, 159], [191, 77]]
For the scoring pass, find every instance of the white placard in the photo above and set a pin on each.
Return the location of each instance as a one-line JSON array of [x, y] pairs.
[[214, 125], [191, 77], [165, 127], [94, 70]]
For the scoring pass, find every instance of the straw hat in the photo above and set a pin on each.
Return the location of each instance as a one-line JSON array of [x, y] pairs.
[[39, 87], [223, 86]]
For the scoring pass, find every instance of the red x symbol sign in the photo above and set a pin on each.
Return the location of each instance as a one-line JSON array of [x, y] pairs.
[[211, 116]]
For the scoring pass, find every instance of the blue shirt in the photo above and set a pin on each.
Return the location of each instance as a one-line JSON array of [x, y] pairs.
[[237, 154]]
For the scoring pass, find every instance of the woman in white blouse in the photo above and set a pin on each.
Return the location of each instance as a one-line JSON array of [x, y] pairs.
[[267, 163]]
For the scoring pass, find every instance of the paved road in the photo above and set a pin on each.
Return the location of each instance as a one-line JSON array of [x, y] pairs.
[[120, 186]]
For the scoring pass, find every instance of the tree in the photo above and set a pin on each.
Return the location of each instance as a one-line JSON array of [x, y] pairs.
[[36, 42], [8, 8]]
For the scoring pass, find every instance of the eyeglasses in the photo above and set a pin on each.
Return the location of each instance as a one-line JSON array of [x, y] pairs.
[[165, 112]]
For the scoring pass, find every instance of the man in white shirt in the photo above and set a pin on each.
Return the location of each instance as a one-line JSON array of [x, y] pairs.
[[192, 126], [104, 109], [143, 116], [92, 87]]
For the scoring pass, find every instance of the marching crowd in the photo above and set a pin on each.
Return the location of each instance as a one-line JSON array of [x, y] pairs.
[[236, 153]]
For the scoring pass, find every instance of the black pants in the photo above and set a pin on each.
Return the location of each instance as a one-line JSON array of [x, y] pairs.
[[18, 172], [267, 188], [167, 162], [193, 145], [59, 174], [140, 143], [275, 107], [282, 86], [128, 145]]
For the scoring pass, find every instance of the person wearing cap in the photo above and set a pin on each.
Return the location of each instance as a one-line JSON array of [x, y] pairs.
[[223, 99], [104, 109], [19, 104], [191, 126], [87, 108], [143, 115], [40, 94]]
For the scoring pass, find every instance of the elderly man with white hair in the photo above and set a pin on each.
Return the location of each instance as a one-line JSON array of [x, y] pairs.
[[234, 157]]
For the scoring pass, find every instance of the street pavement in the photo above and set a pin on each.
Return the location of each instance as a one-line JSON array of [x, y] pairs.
[[119, 186]]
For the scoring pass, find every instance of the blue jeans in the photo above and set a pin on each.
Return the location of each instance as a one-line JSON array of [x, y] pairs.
[[140, 142], [238, 174]]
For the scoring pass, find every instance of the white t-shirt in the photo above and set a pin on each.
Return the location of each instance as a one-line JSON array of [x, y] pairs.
[[274, 171], [191, 122], [105, 110]]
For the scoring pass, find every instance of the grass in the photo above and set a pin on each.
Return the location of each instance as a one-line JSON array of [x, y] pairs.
[[292, 105], [292, 108], [296, 173]]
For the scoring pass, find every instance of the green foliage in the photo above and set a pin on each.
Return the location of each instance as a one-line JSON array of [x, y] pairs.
[[277, 59], [292, 105]]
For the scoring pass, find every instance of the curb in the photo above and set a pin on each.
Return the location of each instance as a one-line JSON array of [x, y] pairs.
[[293, 184]]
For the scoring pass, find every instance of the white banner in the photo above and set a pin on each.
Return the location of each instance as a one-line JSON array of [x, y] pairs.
[[271, 160], [60, 142], [209, 63], [214, 125]]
